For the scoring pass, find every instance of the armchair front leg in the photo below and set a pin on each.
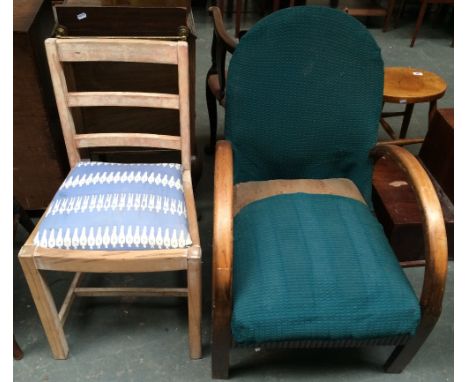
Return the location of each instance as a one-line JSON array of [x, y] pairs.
[[435, 242], [222, 260]]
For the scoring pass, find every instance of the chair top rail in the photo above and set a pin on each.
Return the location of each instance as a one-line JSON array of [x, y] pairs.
[[118, 50], [128, 140]]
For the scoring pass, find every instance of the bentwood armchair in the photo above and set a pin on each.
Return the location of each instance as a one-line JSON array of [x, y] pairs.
[[112, 217], [299, 258]]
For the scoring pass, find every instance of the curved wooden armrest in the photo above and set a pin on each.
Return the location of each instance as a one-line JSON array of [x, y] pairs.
[[220, 30], [435, 238], [223, 230]]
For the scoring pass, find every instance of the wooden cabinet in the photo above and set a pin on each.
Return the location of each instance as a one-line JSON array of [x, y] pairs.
[[147, 18], [39, 159]]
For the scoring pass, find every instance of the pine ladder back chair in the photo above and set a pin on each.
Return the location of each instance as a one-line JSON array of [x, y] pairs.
[[299, 259], [111, 217]]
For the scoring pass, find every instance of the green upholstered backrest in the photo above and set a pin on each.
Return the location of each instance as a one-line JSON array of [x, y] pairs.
[[303, 98]]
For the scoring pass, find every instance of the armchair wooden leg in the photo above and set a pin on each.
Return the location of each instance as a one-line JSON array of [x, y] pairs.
[[403, 354], [45, 307], [194, 307], [221, 345], [213, 119]]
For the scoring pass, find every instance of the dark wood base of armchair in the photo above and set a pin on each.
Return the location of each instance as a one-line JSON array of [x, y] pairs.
[[406, 347]]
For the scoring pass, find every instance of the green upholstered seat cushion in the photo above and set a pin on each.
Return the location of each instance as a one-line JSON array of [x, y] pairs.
[[304, 97], [316, 267]]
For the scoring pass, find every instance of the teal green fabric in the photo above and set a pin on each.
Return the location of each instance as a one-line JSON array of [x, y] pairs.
[[316, 267], [303, 98]]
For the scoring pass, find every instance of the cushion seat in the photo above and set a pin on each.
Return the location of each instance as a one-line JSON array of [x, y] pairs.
[[316, 267], [113, 206]]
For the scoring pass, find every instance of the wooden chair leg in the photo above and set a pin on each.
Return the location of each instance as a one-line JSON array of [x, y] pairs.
[[212, 117], [239, 6], [194, 307], [17, 352], [221, 346], [402, 355], [389, 15], [422, 12], [399, 13], [45, 307]]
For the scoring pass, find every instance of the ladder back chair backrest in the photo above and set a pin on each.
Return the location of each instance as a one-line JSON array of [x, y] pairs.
[[61, 51]]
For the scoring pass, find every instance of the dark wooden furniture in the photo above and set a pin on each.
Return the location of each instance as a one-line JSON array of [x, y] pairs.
[[216, 77], [437, 152], [422, 12], [39, 158], [408, 86], [370, 8], [144, 18], [20, 217], [395, 202], [17, 352]]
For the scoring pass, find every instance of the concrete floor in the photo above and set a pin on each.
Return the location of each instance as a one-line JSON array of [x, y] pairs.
[[146, 340]]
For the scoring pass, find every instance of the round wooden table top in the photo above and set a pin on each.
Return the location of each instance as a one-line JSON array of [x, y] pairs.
[[410, 85]]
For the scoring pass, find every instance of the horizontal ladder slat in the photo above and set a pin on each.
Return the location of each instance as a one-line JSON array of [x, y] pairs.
[[142, 292], [129, 99], [117, 50], [128, 140]]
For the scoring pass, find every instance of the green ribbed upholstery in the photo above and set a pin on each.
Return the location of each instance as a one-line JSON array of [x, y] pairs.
[[316, 267], [303, 98]]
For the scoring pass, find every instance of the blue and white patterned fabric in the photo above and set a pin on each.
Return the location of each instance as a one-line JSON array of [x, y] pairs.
[[113, 206]]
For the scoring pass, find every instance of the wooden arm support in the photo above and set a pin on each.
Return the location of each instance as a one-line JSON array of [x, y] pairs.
[[402, 142], [435, 238], [222, 256], [222, 34]]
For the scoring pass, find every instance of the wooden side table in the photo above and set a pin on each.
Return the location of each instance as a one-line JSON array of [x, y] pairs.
[[408, 86]]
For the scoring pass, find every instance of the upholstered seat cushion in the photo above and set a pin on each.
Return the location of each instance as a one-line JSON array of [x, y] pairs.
[[316, 267], [112, 206]]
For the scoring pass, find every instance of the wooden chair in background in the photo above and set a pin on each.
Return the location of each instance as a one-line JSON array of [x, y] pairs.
[[96, 195], [299, 259], [374, 9], [422, 12]]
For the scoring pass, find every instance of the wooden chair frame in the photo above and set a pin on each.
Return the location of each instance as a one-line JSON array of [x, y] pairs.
[[34, 259], [422, 12], [434, 277], [221, 44]]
